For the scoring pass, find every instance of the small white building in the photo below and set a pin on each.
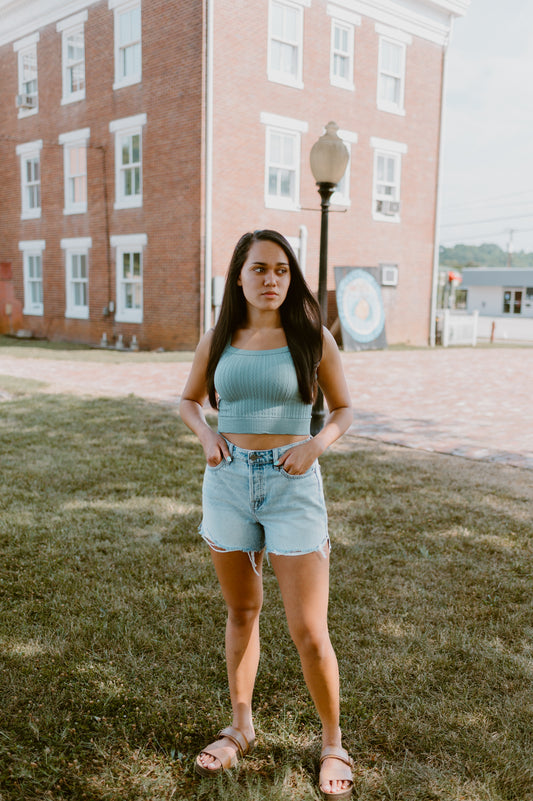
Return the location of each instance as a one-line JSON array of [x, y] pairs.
[[504, 300]]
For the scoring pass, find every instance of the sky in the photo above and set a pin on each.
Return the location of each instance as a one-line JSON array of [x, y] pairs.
[[487, 165]]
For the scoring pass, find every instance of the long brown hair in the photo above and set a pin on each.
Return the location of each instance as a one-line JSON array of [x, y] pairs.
[[300, 317]]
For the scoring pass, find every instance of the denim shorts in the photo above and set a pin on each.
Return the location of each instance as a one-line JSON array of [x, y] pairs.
[[250, 504]]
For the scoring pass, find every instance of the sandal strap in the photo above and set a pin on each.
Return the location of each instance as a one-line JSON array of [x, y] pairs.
[[236, 737], [331, 751]]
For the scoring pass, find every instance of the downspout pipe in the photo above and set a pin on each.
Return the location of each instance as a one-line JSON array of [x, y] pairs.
[[208, 231], [436, 254]]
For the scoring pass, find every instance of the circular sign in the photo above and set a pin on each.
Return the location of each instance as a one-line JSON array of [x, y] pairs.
[[360, 306]]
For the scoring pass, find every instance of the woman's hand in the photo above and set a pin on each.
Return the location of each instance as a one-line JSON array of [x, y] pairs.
[[297, 461], [215, 448]]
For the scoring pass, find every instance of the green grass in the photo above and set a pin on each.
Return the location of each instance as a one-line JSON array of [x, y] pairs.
[[111, 624], [67, 351]]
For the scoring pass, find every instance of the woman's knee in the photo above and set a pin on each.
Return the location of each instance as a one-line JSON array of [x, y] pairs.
[[244, 616], [311, 641]]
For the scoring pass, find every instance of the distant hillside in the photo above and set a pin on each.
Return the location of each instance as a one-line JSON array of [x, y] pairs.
[[482, 256]]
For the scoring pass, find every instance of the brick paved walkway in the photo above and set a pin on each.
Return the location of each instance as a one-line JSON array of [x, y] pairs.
[[475, 403]]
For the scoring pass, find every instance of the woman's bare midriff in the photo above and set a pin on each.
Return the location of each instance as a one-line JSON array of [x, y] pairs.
[[262, 442]]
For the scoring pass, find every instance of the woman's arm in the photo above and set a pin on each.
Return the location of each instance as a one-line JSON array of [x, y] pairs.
[[333, 384], [192, 401]]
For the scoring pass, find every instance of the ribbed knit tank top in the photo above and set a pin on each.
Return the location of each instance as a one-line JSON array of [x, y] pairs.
[[258, 391]]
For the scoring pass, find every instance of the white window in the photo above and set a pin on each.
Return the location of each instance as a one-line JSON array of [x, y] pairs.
[[341, 195], [282, 163], [75, 170], [285, 47], [77, 276], [387, 174], [129, 271], [73, 57], [342, 50], [512, 301], [32, 254], [27, 99], [128, 52], [391, 70], [128, 161], [30, 172]]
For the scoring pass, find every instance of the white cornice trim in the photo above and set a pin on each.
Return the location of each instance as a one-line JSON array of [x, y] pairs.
[[284, 122], [23, 17], [387, 144], [427, 19]]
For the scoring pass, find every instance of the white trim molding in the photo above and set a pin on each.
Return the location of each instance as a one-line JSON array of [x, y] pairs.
[[284, 122], [21, 19], [387, 144]]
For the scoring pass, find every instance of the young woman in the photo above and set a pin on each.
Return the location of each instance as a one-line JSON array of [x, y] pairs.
[[262, 486]]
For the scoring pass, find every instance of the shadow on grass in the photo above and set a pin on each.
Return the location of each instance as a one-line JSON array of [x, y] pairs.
[[111, 623]]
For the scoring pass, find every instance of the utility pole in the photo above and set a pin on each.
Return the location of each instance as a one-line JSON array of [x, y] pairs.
[[510, 248]]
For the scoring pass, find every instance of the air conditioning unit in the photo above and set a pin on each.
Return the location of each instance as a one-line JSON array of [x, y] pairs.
[[388, 206], [389, 274], [26, 101]]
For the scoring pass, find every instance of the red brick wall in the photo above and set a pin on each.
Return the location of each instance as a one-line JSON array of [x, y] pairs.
[[171, 96], [242, 92]]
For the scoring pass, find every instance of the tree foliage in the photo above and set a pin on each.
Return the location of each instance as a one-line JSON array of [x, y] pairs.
[[486, 255]]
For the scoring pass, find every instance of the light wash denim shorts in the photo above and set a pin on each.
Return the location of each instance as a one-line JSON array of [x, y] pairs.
[[250, 504]]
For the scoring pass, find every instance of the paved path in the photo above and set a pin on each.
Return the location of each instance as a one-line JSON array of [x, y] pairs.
[[476, 403]]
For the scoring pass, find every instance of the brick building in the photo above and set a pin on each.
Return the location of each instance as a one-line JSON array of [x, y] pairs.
[[140, 138]]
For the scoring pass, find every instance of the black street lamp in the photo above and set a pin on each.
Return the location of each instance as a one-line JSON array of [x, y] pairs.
[[329, 157]]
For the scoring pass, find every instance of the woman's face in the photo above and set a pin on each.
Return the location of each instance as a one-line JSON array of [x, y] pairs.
[[265, 276]]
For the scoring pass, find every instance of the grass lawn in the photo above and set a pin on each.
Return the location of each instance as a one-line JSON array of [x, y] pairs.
[[111, 625]]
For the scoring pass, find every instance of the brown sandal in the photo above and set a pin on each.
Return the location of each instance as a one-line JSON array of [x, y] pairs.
[[227, 759], [341, 754]]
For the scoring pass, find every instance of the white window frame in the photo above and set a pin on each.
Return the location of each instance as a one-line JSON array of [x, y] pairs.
[[276, 75], [512, 300], [120, 7], [31, 249], [78, 246], [71, 140], [284, 126], [30, 151], [129, 243], [392, 150], [338, 80], [401, 40], [72, 26], [127, 127], [24, 47]]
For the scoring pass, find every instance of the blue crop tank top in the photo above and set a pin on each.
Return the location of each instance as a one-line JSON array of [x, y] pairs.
[[258, 393]]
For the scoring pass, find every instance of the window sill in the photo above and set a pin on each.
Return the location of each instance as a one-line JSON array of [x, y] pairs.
[[27, 112], [136, 203], [123, 318], [282, 205], [400, 112], [35, 214], [33, 312], [285, 80], [390, 218], [74, 98], [348, 85], [69, 212], [82, 314], [123, 82]]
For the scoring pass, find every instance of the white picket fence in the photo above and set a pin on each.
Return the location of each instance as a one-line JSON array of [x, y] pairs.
[[457, 328]]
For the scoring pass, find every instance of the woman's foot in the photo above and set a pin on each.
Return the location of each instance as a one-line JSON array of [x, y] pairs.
[[336, 780], [230, 746]]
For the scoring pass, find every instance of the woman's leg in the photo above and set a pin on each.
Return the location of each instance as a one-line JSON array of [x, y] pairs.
[[304, 585], [242, 589]]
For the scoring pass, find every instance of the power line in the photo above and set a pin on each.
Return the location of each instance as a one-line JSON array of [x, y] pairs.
[[487, 220]]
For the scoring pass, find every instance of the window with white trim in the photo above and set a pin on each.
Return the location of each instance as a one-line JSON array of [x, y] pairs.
[[30, 173], [128, 161], [73, 57], [128, 49], [342, 54], [283, 168], [77, 276], [387, 175], [32, 264], [285, 45], [129, 272], [391, 75], [341, 195], [27, 99], [75, 170]]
